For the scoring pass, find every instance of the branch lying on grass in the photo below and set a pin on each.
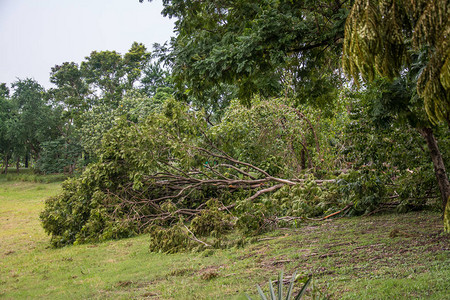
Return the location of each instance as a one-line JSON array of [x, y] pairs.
[[333, 214], [187, 182], [196, 239], [290, 218], [172, 183]]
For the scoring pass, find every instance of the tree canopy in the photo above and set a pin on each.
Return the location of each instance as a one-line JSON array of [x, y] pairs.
[[256, 47], [381, 36]]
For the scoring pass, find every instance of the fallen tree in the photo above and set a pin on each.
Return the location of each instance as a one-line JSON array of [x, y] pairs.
[[177, 178], [168, 167]]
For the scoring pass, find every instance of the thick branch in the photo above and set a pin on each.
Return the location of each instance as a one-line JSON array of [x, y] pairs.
[[267, 190]]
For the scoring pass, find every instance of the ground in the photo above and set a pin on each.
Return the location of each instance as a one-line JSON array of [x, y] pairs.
[[388, 256]]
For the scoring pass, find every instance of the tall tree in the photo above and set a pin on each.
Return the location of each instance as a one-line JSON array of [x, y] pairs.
[[253, 45], [6, 113], [71, 92], [379, 37], [379, 40], [102, 78], [110, 74], [34, 121]]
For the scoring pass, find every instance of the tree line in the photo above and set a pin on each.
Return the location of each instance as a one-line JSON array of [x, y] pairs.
[[59, 129]]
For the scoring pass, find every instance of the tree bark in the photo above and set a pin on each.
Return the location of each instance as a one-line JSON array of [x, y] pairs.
[[26, 161], [303, 159], [5, 171], [438, 163], [18, 164]]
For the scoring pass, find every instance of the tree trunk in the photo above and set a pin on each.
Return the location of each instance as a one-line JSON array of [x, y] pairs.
[[447, 218], [303, 159], [17, 164], [5, 171], [26, 161], [438, 163]]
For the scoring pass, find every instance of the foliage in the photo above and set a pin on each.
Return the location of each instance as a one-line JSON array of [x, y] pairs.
[[72, 92], [92, 207], [103, 89], [252, 219], [174, 155], [271, 134], [279, 295], [211, 221], [364, 191], [93, 95], [247, 47], [82, 213], [110, 74], [34, 121], [169, 240], [378, 35], [365, 188], [384, 136], [58, 156], [133, 107], [155, 78], [26, 121], [101, 80], [6, 114], [309, 200]]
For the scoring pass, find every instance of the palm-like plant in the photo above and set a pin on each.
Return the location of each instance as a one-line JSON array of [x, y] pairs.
[[279, 296]]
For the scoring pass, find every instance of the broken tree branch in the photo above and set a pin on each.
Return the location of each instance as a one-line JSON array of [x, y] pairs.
[[196, 239]]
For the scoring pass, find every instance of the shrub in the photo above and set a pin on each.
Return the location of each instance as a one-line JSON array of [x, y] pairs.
[[279, 295]]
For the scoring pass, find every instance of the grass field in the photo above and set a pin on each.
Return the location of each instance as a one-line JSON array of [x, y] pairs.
[[380, 257]]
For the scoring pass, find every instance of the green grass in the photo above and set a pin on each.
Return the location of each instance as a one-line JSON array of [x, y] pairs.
[[349, 259], [29, 175]]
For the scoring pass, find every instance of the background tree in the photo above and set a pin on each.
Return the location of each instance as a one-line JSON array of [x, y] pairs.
[[110, 74], [72, 92], [154, 77], [34, 121], [90, 98], [133, 107], [6, 112]]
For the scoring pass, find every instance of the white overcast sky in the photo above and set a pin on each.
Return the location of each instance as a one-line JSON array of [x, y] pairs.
[[36, 35]]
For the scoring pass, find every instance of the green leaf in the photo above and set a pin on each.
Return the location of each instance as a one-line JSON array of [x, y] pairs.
[[261, 293], [291, 285], [303, 290], [280, 285], [272, 292]]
